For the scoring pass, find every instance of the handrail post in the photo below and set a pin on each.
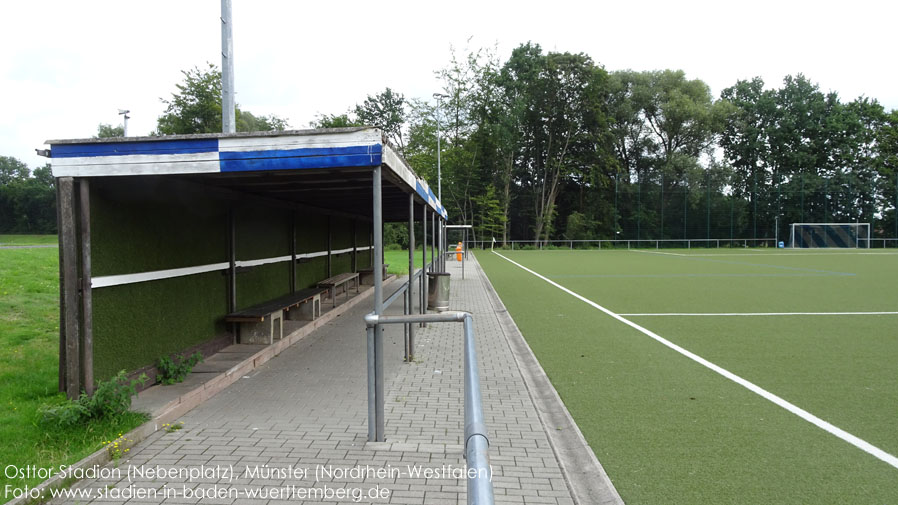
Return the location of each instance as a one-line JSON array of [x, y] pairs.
[[410, 328], [372, 396], [377, 198], [476, 441], [480, 489], [424, 262]]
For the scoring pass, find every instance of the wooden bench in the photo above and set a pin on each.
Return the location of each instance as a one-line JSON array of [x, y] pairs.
[[331, 284], [366, 275], [263, 323]]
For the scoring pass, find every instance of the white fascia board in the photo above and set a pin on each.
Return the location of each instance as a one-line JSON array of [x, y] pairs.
[[399, 167], [370, 136], [136, 164]]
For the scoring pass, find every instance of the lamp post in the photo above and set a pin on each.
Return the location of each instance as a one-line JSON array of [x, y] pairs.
[[439, 97], [123, 112]]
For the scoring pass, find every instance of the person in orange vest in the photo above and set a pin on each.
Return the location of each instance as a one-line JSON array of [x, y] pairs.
[[458, 252]]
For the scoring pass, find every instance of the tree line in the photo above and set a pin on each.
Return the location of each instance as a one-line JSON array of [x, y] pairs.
[[551, 145], [27, 198]]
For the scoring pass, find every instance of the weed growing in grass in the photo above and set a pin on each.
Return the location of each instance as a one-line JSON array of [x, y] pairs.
[[111, 399], [172, 371]]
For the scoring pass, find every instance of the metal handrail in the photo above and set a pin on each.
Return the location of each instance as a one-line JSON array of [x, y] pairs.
[[479, 472], [401, 289]]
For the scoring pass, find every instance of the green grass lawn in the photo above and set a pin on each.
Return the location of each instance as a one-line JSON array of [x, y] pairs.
[[29, 358], [398, 260], [28, 240], [668, 430]]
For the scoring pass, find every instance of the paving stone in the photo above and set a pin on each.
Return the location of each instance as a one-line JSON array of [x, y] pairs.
[[307, 407]]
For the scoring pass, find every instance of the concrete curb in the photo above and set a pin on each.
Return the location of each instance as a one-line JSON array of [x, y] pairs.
[[189, 400], [585, 477]]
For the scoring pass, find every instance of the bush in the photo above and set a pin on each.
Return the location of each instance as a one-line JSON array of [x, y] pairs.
[[172, 372], [66, 414], [111, 399]]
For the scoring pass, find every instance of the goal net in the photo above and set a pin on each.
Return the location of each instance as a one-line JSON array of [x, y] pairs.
[[856, 235]]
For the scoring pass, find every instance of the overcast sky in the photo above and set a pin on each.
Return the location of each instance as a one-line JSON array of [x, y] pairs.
[[67, 66]]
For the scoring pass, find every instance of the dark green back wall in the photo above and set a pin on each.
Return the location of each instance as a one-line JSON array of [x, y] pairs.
[[142, 224]]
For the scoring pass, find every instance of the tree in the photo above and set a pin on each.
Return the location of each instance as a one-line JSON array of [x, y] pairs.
[[196, 107], [887, 167], [107, 130], [11, 170], [564, 110], [385, 110], [27, 204], [247, 122], [489, 220], [334, 121], [745, 139], [43, 176]]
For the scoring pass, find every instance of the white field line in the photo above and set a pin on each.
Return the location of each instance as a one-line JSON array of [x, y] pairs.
[[807, 416], [650, 252], [702, 314], [741, 255]]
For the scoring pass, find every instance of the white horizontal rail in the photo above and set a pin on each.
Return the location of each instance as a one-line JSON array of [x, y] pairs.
[[156, 275]]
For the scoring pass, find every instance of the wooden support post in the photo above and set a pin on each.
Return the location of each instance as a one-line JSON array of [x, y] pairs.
[[62, 374], [69, 246], [87, 333]]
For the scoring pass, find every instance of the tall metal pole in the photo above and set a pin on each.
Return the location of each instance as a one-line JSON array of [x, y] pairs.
[[439, 97], [685, 204], [228, 119], [616, 178], [410, 356], [662, 206], [708, 216], [124, 113], [378, 306], [433, 237], [424, 262]]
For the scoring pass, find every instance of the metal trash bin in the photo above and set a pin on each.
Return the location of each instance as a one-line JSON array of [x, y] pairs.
[[438, 291]]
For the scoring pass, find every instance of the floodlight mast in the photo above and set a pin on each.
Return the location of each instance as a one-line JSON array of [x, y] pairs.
[[439, 97], [228, 119], [123, 112]]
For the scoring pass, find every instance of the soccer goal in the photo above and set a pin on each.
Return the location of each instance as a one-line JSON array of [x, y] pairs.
[[854, 235]]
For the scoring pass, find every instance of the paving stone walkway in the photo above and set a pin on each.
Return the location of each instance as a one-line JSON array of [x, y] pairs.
[[295, 429]]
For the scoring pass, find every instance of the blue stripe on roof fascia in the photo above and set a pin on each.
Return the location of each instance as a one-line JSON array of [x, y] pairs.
[[298, 159], [374, 149], [152, 148], [431, 199], [420, 190]]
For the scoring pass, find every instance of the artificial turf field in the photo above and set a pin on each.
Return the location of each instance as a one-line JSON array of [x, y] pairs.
[[669, 430]]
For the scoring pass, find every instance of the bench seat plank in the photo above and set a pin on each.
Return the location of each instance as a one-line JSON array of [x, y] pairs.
[[257, 313], [338, 279], [331, 283]]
